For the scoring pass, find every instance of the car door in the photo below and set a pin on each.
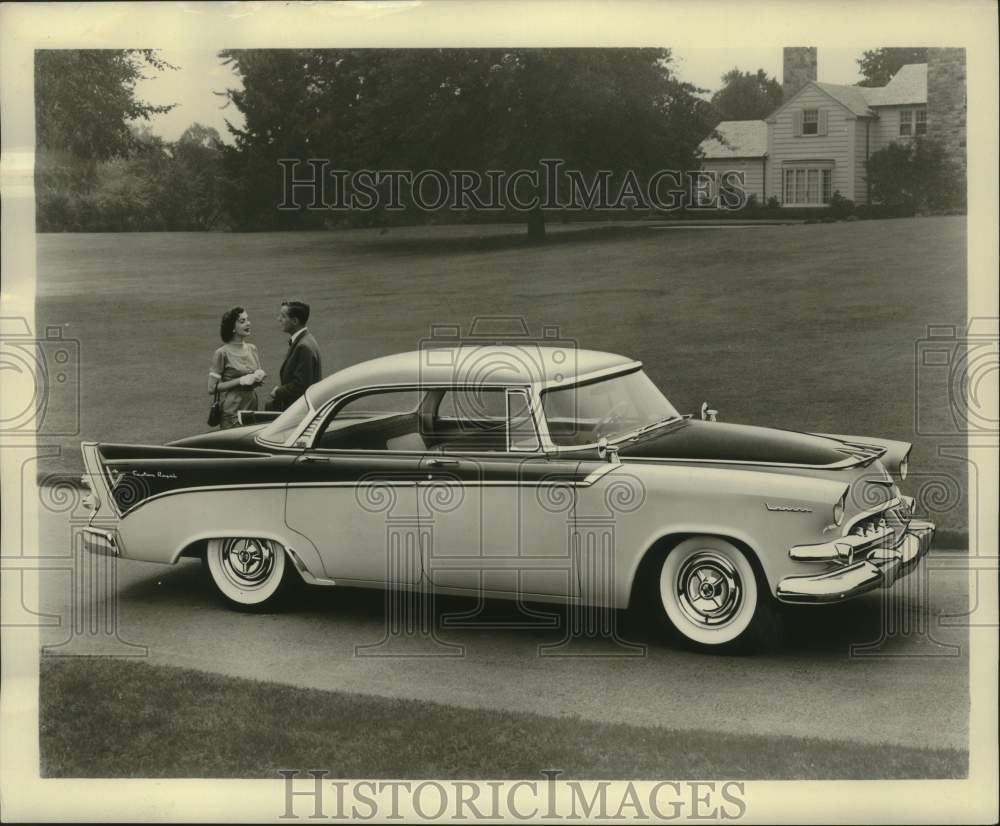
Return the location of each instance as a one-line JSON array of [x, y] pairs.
[[353, 492], [496, 511]]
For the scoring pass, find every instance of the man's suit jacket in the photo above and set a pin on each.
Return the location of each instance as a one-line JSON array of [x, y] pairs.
[[300, 368]]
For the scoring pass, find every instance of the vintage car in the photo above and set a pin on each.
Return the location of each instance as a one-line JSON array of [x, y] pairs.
[[537, 474]]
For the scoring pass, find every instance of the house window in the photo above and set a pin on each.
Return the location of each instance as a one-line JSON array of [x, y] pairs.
[[912, 122], [810, 121], [807, 186]]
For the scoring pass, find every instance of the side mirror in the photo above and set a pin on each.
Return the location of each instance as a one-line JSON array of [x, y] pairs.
[[708, 413]]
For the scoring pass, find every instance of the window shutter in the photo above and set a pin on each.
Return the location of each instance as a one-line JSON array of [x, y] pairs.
[[822, 122], [797, 123]]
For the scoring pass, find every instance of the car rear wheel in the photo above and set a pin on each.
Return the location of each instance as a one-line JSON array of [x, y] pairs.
[[714, 598], [250, 574]]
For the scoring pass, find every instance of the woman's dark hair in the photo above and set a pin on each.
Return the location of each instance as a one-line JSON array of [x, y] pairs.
[[228, 324]]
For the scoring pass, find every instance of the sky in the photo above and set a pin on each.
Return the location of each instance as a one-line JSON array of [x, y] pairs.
[[200, 73]]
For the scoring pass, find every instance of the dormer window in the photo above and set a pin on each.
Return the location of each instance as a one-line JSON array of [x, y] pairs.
[[810, 121]]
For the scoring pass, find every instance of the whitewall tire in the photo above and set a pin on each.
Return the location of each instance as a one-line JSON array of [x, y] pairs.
[[711, 595], [250, 574]]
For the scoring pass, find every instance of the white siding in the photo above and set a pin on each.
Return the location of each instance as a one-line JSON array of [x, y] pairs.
[[752, 169], [885, 130], [835, 145], [861, 128]]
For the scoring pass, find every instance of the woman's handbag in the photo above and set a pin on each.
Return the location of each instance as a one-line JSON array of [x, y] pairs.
[[215, 412]]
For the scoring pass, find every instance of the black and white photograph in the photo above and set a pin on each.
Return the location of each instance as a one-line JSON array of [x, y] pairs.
[[482, 411]]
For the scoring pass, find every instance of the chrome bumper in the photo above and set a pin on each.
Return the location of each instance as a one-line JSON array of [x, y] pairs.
[[880, 569], [102, 543]]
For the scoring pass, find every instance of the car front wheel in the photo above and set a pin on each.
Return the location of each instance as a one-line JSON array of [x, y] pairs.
[[250, 574], [713, 597]]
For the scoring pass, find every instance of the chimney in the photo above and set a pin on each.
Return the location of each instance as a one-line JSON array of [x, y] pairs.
[[799, 64], [946, 103]]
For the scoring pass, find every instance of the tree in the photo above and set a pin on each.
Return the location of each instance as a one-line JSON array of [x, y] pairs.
[[198, 176], [85, 99], [747, 95], [879, 65], [475, 109]]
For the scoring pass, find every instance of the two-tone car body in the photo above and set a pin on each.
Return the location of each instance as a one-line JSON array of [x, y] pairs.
[[531, 474]]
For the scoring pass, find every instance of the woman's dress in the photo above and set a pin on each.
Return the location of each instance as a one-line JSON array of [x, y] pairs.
[[229, 364]]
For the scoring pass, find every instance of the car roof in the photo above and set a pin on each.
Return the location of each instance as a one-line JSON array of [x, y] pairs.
[[471, 364]]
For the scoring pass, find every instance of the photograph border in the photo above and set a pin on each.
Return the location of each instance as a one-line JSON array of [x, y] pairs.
[[25, 27]]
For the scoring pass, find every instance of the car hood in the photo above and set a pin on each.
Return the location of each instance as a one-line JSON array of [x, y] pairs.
[[697, 440]]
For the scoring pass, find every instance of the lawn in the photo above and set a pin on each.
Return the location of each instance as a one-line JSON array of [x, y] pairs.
[[809, 327], [156, 721]]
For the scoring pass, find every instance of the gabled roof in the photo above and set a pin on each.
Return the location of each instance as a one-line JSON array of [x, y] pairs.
[[850, 96], [908, 86], [740, 139]]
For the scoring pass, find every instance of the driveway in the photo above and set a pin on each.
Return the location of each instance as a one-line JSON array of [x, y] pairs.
[[911, 689]]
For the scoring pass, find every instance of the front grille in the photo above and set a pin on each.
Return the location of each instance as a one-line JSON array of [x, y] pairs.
[[895, 517]]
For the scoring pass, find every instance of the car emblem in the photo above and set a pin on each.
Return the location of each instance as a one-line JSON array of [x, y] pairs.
[[786, 508], [115, 476]]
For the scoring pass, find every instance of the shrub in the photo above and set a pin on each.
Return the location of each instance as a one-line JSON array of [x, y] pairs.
[[915, 177], [840, 207]]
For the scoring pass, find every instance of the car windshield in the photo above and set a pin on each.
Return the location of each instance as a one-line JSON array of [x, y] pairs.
[[281, 429], [612, 407]]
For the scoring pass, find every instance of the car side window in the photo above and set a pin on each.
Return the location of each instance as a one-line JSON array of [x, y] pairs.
[[380, 420], [522, 435], [484, 419]]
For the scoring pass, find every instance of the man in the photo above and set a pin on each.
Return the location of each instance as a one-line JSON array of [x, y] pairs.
[[301, 366]]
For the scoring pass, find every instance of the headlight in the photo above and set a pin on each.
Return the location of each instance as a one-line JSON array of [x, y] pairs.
[[904, 466], [838, 510]]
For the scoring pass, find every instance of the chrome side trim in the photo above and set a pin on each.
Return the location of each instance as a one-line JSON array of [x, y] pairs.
[[202, 488], [418, 478], [840, 465]]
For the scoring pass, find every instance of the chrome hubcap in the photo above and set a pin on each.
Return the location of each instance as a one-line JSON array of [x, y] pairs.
[[247, 562], [709, 589]]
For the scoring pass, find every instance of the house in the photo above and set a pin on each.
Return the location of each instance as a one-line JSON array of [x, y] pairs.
[[819, 140]]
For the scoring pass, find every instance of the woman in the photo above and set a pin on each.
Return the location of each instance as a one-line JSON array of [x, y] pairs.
[[236, 370]]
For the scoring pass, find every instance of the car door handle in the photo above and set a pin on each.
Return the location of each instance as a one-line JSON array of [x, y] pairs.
[[316, 459], [443, 463]]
